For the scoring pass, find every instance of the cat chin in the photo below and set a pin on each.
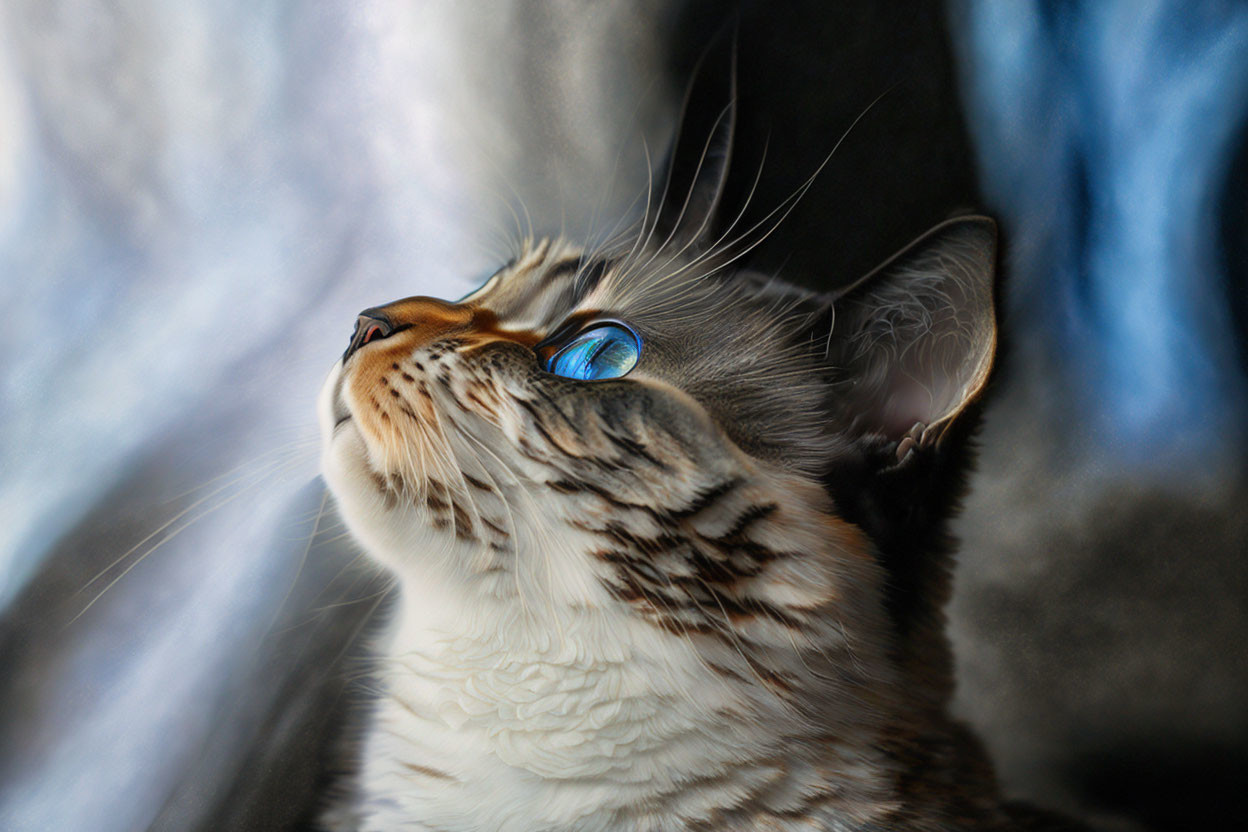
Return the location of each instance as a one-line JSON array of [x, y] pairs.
[[349, 476], [329, 409], [396, 533]]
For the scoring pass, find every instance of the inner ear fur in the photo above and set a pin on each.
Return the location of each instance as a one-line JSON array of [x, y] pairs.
[[912, 343]]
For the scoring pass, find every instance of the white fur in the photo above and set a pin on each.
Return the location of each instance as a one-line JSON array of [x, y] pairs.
[[548, 709]]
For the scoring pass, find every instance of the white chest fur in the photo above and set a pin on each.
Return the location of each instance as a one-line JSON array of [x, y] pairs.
[[520, 695], [604, 725]]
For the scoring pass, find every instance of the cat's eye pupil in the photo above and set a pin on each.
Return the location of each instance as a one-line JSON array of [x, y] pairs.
[[606, 350]]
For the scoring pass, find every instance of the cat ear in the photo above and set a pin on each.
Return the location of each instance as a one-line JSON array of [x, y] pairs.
[[913, 341], [697, 163]]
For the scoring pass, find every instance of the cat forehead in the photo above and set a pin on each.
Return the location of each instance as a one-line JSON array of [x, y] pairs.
[[552, 278], [548, 279]]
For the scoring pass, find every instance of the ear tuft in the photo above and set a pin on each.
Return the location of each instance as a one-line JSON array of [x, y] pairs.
[[914, 340]]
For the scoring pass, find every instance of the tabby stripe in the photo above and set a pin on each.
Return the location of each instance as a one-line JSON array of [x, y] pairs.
[[428, 772], [526, 448], [463, 525], [478, 484], [748, 518], [646, 545], [588, 278], [567, 266], [472, 397], [705, 499], [721, 572], [729, 605], [541, 428], [636, 558], [728, 673], [571, 486], [498, 530], [745, 609], [756, 552], [557, 409], [634, 448]]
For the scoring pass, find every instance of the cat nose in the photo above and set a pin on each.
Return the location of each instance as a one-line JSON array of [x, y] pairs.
[[427, 319], [371, 325]]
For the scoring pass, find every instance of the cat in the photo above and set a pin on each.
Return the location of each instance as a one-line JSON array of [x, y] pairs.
[[670, 535]]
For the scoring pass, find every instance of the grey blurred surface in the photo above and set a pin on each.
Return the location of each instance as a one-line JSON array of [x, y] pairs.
[[1100, 615]]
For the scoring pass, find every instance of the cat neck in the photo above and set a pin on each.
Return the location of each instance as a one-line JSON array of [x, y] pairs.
[[551, 707], [574, 718]]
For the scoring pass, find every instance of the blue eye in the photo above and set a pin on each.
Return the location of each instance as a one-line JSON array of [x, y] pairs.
[[608, 350]]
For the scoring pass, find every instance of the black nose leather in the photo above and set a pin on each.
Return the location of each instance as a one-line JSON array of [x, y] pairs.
[[372, 325]]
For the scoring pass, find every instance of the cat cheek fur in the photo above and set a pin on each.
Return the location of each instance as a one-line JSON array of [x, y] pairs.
[[658, 578]]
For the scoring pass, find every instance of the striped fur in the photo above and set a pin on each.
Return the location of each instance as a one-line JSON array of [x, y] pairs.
[[637, 604]]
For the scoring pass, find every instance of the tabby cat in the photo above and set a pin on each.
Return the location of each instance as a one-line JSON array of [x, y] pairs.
[[670, 536]]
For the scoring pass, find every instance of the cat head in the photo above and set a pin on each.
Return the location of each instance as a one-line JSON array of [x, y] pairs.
[[652, 426]]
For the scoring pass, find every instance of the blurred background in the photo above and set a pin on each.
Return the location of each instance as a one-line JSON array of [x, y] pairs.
[[197, 197]]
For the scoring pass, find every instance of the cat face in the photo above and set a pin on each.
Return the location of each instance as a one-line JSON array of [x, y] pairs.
[[652, 428], [686, 486], [450, 440]]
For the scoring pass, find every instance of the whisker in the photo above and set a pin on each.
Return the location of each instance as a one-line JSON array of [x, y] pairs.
[[172, 535], [303, 559], [174, 519]]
